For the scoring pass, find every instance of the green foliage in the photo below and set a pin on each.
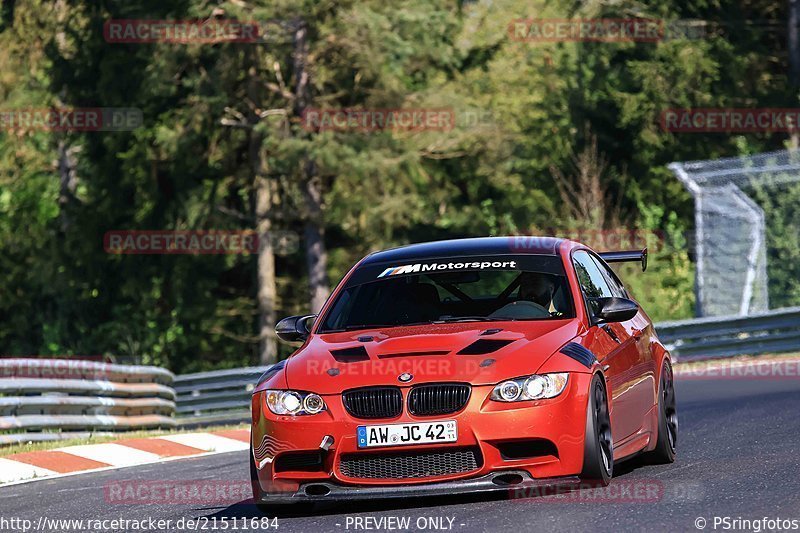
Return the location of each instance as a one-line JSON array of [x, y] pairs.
[[524, 113], [666, 289], [781, 205]]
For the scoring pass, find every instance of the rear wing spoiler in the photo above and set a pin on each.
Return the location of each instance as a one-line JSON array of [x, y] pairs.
[[639, 256]]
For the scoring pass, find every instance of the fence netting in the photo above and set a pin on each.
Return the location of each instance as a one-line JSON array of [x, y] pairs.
[[747, 231]]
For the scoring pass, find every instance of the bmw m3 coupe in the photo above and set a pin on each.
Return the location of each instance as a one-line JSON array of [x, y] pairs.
[[464, 366]]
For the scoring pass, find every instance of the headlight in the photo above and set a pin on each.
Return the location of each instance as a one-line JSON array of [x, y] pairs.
[[535, 387], [288, 402]]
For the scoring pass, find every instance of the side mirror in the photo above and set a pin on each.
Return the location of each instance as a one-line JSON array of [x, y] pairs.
[[614, 309], [294, 328]]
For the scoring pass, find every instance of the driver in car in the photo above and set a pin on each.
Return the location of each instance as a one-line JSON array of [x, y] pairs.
[[534, 298]]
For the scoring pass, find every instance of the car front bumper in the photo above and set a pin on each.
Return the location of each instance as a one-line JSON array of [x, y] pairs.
[[483, 425], [518, 483]]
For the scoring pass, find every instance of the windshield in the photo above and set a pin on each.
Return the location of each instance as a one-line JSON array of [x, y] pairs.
[[471, 289]]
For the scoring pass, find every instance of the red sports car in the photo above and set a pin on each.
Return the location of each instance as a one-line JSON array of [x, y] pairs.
[[464, 366]]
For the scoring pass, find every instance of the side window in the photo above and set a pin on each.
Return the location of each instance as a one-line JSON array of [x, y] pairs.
[[592, 281], [590, 277], [611, 279]]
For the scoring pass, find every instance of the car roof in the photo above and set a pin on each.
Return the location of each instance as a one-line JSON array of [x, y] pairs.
[[518, 244]]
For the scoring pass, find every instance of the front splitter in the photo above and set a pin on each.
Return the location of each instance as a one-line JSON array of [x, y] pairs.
[[507, 480]]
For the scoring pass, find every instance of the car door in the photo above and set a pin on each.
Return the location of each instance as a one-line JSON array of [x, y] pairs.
[[616, 350], [643, 385]]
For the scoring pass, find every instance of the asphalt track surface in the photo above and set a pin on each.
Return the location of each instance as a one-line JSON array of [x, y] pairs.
[[738, 457]]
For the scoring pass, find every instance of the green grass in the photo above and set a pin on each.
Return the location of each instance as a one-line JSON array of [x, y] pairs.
[[99, 439]]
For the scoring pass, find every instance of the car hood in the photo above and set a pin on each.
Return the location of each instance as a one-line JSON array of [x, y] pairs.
[[478, 353]]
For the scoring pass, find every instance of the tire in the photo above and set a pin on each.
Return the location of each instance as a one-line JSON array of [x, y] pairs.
[[664, 452], [598, 448]]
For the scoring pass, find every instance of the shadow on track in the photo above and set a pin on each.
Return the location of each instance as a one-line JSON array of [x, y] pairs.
[[246, 508]]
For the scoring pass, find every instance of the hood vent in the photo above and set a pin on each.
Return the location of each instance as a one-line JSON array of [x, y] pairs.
[[580, 353], [353, 354], [271, 371], [484, 346], [414, 354]]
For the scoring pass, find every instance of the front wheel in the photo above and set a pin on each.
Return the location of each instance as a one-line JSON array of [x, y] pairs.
[[667, 419], [598, 451]]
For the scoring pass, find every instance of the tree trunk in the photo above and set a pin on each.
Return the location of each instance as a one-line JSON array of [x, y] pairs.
[[314, 231], [316, 253], [265, 191], [793, 47], [68, 182], [267, 290]]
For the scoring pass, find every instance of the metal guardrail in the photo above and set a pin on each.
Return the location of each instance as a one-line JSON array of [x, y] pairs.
[[36, 400], [222, 396], [700, 338], [49, 399]]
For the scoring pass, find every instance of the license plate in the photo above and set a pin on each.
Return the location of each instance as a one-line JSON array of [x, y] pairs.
[[403, 434]]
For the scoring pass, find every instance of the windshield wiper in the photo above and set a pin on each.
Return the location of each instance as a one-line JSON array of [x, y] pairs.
[[469, 319], [351, 327]]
